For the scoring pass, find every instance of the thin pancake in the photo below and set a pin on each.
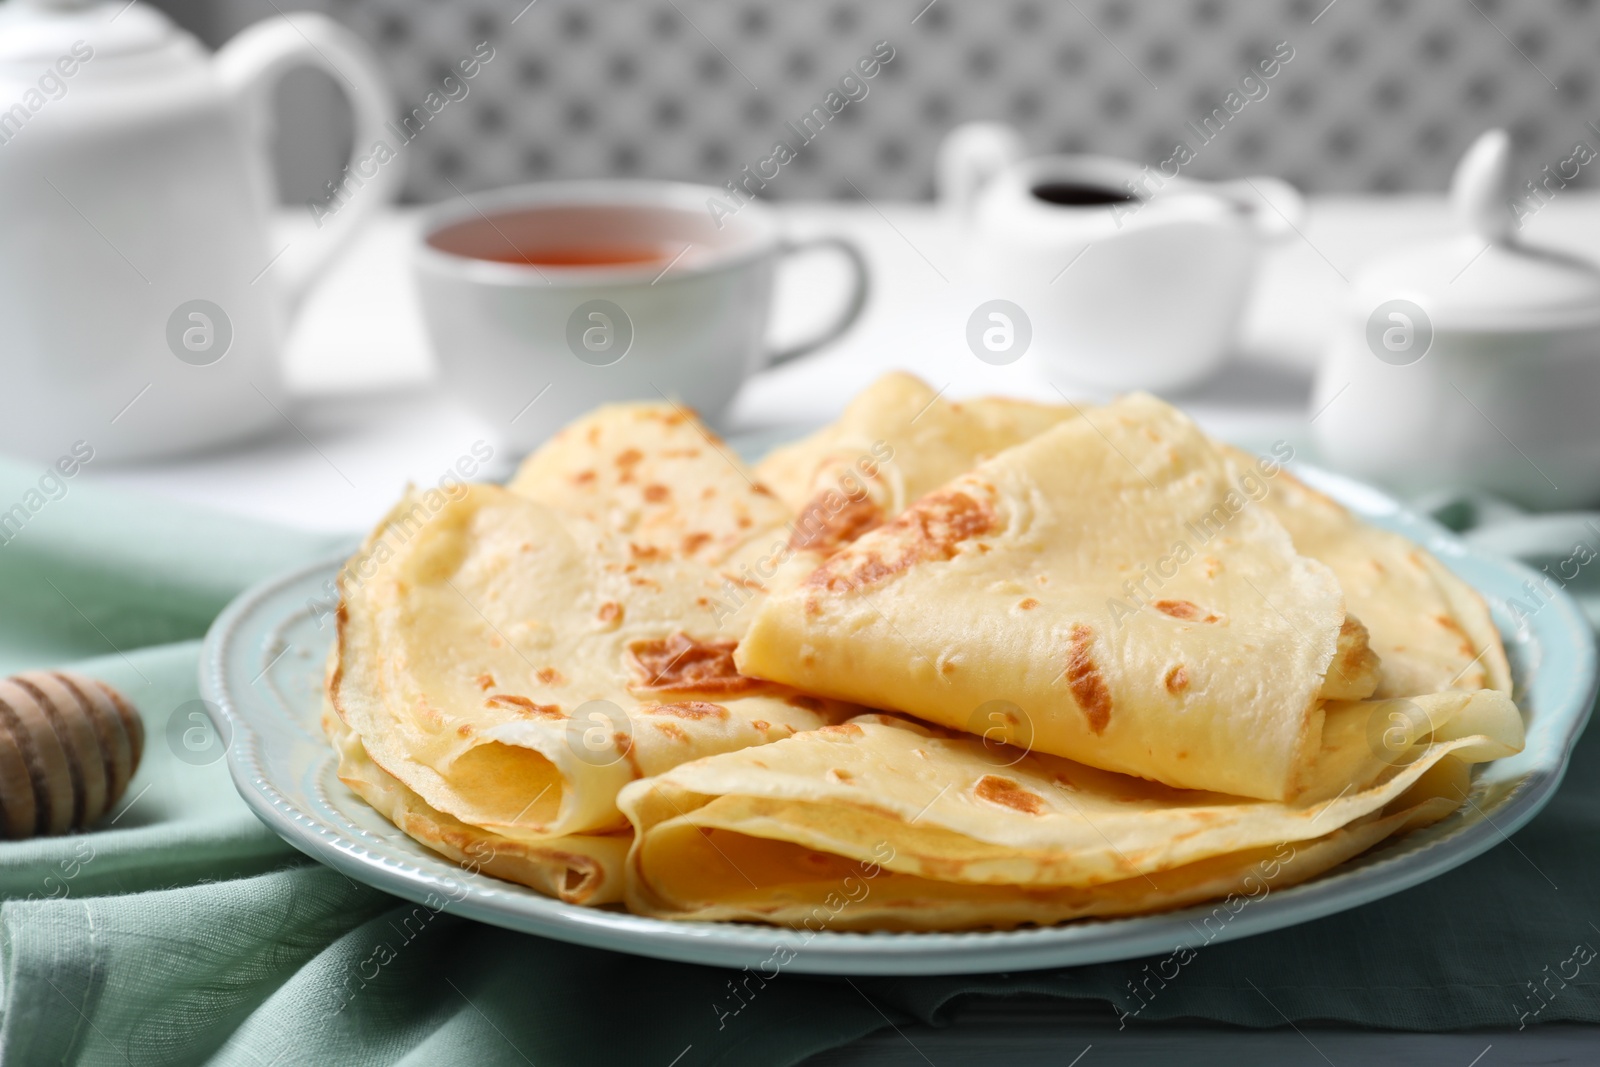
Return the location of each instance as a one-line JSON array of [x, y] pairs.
[[579, 869], [896, 440], [1430, 629], [968, 834], [1108, 580], [473, 647]]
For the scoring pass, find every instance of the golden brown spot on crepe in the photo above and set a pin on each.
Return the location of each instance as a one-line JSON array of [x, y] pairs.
[[464, 730], [745, 522], [684, 664], [708, 492], [523, 705], [655, 493], [671, 730], [594, 435], [624, 745], [641, 581], [760, 490], [1085, 680], [583, 477], [1008, 794], [645, 551], [692, 543], [1213, 566], [1184, 609], [825, 528], [844, 729], [610, 612], [1028, 604], [485, 682], [761, 724], [628, 457], [690, 709], [675, 453], [549, 676], [1177, 679], [929, 530], [838, 775]]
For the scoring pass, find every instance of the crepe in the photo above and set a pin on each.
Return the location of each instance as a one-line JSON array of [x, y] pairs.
[[515, 657], [897, 440], [1430, 630], [1107, 580], [651, 473], [515, 668], [882, 824], [578, 868]]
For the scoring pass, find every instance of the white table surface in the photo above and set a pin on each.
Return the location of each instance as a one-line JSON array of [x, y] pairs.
[[371, 414]]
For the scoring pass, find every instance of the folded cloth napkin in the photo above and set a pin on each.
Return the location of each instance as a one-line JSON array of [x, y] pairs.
[[182, 931]]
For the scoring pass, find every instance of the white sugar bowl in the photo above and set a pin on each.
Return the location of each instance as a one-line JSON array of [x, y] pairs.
[[1470, 362]]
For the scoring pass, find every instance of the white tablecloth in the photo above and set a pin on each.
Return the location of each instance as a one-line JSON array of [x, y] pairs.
[[375, 416]]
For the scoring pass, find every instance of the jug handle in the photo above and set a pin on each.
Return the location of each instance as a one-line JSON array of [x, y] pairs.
[[250, 66], [1276, 208], [969, 157]]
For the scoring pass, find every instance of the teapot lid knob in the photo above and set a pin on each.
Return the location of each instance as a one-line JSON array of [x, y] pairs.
[[1479, 190]]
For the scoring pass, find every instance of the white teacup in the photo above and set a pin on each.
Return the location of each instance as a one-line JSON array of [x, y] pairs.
[[545, 300]]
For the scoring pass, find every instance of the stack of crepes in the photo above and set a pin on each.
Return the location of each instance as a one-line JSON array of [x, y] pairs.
[[938, 666]]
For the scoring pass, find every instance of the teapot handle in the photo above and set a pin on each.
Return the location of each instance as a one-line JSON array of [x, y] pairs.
[[250, 66]]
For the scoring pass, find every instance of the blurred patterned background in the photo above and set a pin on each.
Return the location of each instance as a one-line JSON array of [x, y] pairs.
[[1380, 95]]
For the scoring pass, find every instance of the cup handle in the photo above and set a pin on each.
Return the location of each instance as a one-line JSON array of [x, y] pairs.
[[250, 66], [853, 307]]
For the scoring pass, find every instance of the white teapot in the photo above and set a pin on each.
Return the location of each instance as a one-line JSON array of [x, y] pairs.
[[1130, 278], [143, 292], [1469, 361]]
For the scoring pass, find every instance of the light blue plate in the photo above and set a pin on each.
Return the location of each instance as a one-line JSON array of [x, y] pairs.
[[262, 668]]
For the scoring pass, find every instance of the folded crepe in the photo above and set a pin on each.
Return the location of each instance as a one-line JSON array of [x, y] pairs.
[[1430, 630], [1105, 580], [514, 665], [880, 823], [576, 868], [896, 441], [652, 473]]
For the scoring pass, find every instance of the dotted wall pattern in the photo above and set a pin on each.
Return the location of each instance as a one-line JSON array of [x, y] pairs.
[[1379, 95]]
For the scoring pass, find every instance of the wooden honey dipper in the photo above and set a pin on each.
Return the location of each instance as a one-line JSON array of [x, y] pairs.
[[68, 747]]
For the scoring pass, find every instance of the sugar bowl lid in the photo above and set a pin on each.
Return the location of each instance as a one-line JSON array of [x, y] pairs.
[[1486, 279]]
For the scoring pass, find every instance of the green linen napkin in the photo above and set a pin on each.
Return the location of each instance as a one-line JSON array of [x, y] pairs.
[[181, 931]]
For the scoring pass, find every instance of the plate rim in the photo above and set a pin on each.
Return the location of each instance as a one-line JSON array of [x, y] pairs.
[[491, 900]]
